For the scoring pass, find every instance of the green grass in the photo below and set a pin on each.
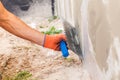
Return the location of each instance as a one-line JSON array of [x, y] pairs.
[[23, 75], [52, 30], [69, 59], [52, 18]]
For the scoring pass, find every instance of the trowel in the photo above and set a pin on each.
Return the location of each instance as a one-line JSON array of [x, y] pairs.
[[73, 40]]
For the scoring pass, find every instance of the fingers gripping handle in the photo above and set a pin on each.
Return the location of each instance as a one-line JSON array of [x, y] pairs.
[[64, 49]]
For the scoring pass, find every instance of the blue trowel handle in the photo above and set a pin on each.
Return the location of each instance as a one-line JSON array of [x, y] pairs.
[[64, 49]]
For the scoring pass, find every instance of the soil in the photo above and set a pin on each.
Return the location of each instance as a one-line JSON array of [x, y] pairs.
[[17, 55]]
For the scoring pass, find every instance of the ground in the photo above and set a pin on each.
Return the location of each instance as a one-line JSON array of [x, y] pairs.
[[17, 55]]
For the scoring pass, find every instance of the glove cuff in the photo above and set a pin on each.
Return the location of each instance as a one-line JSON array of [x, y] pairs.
[[43, 43]]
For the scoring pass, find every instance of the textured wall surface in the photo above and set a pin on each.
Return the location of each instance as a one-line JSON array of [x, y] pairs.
[[98, 22]]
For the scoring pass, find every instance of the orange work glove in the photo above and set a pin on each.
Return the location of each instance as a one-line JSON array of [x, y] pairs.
[[53, 41]]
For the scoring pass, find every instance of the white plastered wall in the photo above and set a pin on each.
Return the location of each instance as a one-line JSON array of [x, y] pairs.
[[99, 24]]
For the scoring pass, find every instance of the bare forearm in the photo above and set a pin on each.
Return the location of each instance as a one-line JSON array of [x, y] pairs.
[[15, 26]]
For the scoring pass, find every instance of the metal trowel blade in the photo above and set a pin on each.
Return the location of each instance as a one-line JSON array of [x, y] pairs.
[[73, 38]]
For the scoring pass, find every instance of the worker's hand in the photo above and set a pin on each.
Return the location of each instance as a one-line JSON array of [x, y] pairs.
[[53, 41]]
